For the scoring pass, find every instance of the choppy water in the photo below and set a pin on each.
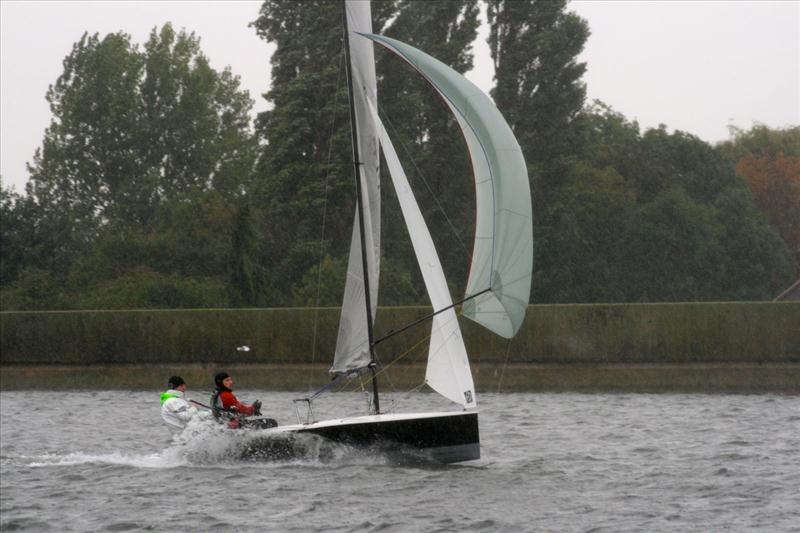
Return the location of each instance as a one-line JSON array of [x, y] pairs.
[[101, 461]]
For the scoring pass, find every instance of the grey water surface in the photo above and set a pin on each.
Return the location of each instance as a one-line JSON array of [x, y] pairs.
[[102, 461]]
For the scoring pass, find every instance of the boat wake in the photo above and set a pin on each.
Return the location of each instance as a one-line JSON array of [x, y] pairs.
[[206, 443], [155, 460]]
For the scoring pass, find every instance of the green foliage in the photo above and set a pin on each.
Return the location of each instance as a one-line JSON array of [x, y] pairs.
[[144, 289], [758, 265], [322, 285], [247, 278], [580, 254], [325, 287], [305, 160], [681, 160], [535, 46], [33, 236], [33, 289], [139, 170], [150, 190], [134, 129], [427, 137], [762, 140], [653, 216], [671, 250]]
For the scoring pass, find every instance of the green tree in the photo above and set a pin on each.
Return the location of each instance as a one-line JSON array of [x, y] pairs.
[[757, 263], [305, 163], [671, 250], [197, 119], [133, 129], [36, 236], [762, 140], [145, 289], [682, 160], [34, 289], [322, 285], [88, 165], [247, 278], [581, 257], [145, 157], [535, 46], [427, 137], [653, 216]]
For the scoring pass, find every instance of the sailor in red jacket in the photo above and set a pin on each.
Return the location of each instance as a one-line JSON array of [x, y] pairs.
[[224, 402]]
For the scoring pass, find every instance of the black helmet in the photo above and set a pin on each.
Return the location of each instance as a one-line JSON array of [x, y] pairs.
[[220, 377], [175, 382]]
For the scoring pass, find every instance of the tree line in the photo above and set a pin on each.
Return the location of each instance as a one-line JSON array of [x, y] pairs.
[[153, 187]]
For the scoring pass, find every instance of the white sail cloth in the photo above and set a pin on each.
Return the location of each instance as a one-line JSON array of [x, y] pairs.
[[500, 272], [448, 371], [352, 343]]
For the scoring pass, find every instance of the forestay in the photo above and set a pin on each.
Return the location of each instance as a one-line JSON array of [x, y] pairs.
[[502, 256]]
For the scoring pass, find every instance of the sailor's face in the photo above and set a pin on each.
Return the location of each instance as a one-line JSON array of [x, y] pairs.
[[228, 382]]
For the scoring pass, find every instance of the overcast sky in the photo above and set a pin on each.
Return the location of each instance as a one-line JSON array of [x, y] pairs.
[[697, 66]]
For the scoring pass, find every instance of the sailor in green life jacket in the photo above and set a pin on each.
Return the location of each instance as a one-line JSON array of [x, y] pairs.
[[175, 410]]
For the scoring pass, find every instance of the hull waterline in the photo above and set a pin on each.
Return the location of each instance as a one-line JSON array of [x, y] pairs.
[[440, 437]]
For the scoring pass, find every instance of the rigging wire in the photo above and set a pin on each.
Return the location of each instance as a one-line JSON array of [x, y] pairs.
[[402, 355], [505, 364], [384, 368], [419, 173], [324, 220]]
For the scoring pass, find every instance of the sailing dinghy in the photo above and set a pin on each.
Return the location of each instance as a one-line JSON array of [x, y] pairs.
[[499, 281]]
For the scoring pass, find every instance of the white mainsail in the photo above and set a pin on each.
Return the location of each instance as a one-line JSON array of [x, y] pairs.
[[352, 344]]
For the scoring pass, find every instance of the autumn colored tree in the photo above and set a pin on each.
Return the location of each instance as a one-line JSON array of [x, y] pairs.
[[768, 159], [774, 181]]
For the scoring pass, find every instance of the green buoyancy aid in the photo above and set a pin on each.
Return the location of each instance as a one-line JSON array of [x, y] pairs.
[[167, 395]]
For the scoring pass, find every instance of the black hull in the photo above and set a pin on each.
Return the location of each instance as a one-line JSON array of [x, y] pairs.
[[444, 438]]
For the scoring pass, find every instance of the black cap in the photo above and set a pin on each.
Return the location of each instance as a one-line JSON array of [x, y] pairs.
[[175, 382], [220, 377]]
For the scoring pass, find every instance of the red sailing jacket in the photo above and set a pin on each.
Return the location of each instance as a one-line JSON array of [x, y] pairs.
[[229, 401]]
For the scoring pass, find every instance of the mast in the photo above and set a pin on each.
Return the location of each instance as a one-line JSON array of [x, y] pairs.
[[360, 209]]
